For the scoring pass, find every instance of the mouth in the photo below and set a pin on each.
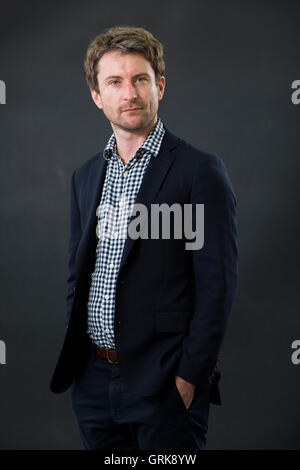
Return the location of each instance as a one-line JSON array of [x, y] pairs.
[[132, 110]]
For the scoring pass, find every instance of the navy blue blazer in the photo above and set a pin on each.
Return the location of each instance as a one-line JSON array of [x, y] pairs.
[[172, 305]]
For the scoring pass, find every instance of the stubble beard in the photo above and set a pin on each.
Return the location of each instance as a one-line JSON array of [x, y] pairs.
[[123, 124]]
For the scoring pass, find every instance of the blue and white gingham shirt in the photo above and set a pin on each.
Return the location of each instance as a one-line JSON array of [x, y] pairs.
[[120, 189]]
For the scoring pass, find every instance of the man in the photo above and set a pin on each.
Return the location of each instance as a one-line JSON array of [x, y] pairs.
[[146, 315]]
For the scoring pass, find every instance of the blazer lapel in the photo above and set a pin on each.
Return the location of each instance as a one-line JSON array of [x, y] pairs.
[[153, 178]]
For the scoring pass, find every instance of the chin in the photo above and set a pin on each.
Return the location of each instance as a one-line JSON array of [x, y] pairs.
[[134, 124]]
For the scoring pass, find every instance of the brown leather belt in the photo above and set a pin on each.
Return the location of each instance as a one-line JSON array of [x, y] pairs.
[[109, 355]]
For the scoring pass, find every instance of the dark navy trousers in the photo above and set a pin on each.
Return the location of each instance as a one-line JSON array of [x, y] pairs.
[[111, 417]]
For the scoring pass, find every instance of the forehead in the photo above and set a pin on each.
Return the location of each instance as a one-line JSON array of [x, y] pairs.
[[115, 62]]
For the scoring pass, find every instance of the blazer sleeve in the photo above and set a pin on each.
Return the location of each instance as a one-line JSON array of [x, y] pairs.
[[74, 239], [215, 273]]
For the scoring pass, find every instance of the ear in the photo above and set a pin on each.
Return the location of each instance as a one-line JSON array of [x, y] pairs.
[[161, 87], [96, 98]]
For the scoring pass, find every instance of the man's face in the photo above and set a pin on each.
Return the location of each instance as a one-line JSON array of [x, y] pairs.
[[127, 81]]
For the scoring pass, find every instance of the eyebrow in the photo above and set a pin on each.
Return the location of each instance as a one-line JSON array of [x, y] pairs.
[[135, 76]]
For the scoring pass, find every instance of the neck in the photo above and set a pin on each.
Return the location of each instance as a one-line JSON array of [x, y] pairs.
[[129, 142]]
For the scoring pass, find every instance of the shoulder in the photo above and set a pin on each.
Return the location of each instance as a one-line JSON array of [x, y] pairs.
[[206, 169], [191, 154], [196, 158], [187, 153]]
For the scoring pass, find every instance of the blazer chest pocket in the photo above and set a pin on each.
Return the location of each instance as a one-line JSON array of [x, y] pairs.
[[169, 321]]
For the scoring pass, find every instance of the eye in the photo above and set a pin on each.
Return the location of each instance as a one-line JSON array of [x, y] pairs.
[[142, 78], [114, 81]]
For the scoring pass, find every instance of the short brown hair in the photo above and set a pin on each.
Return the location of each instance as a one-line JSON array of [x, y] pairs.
[[126, 39]]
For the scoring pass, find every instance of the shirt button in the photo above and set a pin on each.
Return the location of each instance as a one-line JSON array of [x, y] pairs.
[[125, 173], [111, 265], [121, 203], [116, 234], [106, 297], [107, 330]]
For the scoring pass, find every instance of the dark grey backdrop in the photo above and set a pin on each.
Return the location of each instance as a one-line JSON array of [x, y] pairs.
[[229, 69]]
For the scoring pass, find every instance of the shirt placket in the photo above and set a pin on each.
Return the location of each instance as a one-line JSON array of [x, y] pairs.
[[114, 252]]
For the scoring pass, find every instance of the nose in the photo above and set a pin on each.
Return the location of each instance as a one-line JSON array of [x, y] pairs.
[[130, 93]]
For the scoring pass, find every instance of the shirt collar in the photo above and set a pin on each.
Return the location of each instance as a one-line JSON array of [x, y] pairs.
[[151, 143]]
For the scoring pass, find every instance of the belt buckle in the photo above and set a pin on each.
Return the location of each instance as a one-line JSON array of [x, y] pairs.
[[107, 356]]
